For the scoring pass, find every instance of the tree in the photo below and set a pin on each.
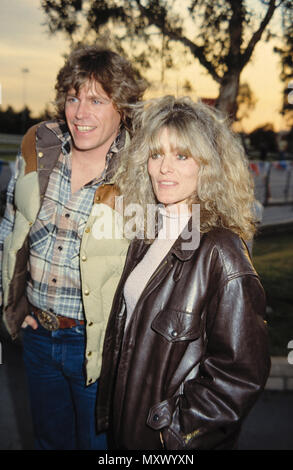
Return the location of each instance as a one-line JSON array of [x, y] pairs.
[[221, 35], [264, 140], [18, 122]]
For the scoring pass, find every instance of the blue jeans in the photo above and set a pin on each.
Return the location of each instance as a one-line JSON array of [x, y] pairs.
[[63, 408]]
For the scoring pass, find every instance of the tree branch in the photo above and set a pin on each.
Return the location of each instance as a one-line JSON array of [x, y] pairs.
[[197, 52], [166, 29], [257, 34]]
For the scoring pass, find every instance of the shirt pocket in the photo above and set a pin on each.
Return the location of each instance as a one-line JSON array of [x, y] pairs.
[[43, 228], [177, 326]]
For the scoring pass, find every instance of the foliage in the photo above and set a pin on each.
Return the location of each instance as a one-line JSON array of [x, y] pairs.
[[17, 122], [273, 260], [286, 54], [264, 139]]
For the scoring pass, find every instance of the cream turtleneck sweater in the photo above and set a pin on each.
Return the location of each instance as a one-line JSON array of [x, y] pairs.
[[174, 219]]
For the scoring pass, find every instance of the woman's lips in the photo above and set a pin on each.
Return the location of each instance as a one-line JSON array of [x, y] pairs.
[[167, 183]]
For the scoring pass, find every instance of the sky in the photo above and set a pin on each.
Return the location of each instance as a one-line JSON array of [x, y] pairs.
[[30, 59]]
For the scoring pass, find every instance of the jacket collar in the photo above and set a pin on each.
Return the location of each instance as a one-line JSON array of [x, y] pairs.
[[183, 248], [112, 156], [187, 242]]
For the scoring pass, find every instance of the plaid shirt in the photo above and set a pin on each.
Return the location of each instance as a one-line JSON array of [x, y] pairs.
[[54, 282]]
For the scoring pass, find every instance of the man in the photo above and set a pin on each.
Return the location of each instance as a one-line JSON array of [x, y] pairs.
[[59, 277]]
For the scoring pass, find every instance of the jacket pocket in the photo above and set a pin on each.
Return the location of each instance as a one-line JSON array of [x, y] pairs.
[[176, 325]]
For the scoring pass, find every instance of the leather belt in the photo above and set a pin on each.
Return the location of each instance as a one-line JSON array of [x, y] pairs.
[[52, 322]]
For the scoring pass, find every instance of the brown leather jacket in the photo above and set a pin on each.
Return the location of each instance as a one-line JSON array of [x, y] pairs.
[[194, 357]]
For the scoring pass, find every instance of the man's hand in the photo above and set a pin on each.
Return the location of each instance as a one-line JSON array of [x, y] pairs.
[[30, 321]]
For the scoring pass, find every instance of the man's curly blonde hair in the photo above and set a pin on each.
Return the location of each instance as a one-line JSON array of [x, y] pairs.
[[114, 73], [225, 188]]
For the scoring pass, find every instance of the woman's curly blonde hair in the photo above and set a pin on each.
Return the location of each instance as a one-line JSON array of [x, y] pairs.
[[225, 188]]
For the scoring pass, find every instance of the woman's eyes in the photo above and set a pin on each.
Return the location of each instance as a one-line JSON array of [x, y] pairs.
[[179, 156], [155, 156]]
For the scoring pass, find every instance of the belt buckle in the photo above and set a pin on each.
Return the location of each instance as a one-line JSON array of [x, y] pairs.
[[48, 320]]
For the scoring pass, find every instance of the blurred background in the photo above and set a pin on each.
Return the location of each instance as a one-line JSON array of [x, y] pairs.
[[235, 55]]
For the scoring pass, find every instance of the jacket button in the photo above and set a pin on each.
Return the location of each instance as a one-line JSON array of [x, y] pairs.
[[40, 154], [83, 258], [87, 230], [86, 292], [98, 198], [174, 333], [156, 418]]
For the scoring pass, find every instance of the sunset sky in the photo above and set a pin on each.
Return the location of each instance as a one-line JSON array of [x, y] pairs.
[[26, 45]]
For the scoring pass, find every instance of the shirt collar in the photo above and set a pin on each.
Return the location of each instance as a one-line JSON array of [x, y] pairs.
[[112, 155], [61, 131]]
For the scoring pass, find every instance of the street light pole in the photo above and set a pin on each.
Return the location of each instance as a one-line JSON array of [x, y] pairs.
[[24, 72]]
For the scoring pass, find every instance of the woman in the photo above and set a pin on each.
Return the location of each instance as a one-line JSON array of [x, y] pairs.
[[185, 353]]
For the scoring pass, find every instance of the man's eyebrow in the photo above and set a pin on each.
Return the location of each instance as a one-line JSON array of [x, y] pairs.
[[95, 95], [72, 93]]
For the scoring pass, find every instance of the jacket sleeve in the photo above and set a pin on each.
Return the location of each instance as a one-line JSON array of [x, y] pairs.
[[7, 222], [232, 372]]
